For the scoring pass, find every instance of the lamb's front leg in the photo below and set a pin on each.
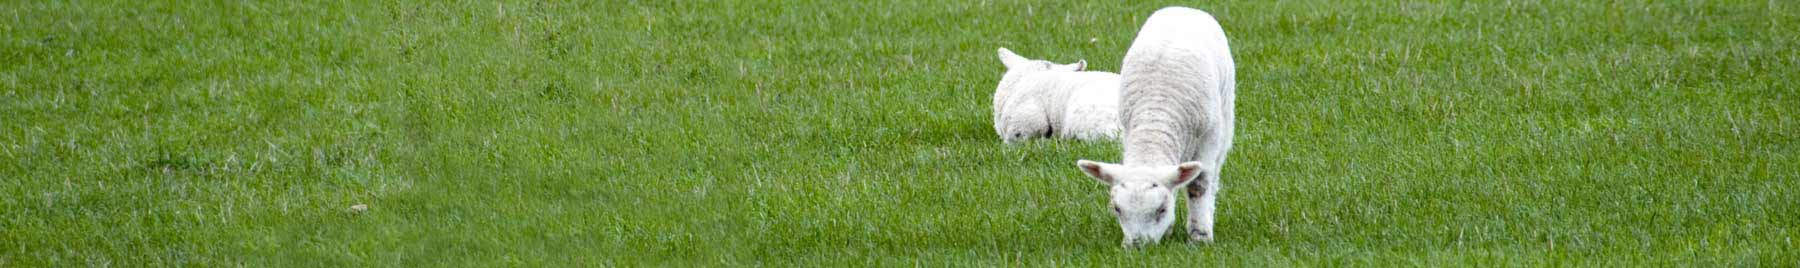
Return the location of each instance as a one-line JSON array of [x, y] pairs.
[[1201, 197]]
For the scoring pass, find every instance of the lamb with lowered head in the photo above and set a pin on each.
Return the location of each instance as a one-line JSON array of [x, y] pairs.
[[1179, 89]]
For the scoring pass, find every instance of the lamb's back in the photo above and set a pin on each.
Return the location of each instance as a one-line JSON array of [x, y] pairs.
[[1175, 96], [1092, 112]]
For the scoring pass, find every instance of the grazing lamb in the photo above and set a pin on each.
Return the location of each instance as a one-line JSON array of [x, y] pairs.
[[1039, 98], [1177, 112]]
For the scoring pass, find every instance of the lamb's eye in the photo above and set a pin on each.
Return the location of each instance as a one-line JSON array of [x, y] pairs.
[[1161, 210], [1116, 210]]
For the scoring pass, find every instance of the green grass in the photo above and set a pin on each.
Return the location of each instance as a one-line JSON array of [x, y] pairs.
[[852, 133]]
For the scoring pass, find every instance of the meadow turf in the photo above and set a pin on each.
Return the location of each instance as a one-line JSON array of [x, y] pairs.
[[853, 133]]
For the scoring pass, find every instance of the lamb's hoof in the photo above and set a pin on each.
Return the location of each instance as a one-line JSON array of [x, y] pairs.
[[1199, 237]]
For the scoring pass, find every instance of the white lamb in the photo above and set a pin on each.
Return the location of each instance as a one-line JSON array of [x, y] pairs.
[[1177, 112], [1038, 98]]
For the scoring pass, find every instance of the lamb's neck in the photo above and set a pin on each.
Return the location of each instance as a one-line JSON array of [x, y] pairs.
[[1153, 141], [1054, 94]]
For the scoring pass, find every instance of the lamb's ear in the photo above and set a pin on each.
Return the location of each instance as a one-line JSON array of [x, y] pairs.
[[1096, 170], [1187, 172], [1010, 59], [1078, 66]]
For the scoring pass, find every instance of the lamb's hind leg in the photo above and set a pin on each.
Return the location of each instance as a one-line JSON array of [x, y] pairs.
[[1202, 195]]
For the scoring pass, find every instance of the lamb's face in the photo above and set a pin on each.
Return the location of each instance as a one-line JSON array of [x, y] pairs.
[[1023, 121], [1144, 210], [1142, 198]]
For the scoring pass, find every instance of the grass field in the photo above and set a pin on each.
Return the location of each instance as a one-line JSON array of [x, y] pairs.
[[853, 133]]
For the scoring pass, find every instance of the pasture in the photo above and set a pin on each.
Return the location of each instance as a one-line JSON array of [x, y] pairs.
[[857, 133]]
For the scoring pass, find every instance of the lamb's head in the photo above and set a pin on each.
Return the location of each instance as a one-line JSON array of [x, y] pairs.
[[1143, 197], [1022, 121], [1020, 118]]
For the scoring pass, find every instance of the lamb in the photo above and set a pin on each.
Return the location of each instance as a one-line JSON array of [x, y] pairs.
[[1179, 89], [1037, 99]]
